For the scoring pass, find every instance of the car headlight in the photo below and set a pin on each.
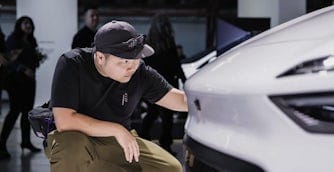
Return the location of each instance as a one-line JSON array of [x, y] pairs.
[[320, 65], [313, 112]]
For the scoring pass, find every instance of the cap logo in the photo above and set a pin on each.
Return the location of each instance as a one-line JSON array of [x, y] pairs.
[[133, 42]]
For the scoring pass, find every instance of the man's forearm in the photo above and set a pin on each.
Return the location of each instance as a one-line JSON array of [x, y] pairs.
[[69, 120], [174, 100]]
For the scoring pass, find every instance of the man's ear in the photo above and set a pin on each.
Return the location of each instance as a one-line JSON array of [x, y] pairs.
[[99, 57]]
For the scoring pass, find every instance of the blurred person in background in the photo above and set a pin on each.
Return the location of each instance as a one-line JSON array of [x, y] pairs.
[[3, 61], [166, 62], [2, 48], [85, 36], [180, 53], [20, 82]]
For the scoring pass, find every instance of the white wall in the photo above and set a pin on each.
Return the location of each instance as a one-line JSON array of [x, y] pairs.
[[279, 11], [55, 24], [7, 22], [259, 8], [291, 9]]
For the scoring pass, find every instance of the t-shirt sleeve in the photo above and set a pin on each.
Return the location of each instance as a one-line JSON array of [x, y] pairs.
[[156, 85], [65, 84]]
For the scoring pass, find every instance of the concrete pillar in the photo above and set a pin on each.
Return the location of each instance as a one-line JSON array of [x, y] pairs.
[[56, 22], [279, 11]]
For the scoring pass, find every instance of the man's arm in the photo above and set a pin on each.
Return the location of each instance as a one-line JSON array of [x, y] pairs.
[[174, 100], [69, 120]]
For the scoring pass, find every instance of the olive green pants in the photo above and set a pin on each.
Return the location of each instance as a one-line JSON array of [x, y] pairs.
[[76, 152]]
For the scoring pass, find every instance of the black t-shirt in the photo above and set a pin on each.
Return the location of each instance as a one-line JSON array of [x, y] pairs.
[[84, 38], [78, 85]]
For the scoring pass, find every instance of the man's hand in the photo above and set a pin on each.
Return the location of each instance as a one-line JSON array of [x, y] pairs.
[[128, 143]]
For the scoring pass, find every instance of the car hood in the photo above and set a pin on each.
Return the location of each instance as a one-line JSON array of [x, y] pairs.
[[262, 67], [254, 65]]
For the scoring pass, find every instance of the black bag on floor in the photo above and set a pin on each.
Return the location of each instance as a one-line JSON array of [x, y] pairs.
[[41, 120]]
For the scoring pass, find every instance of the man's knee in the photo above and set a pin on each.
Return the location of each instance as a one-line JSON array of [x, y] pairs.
[[69, 145], [69, 151]]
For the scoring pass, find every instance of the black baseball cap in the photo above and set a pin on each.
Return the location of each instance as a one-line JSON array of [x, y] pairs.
[[120, 39]]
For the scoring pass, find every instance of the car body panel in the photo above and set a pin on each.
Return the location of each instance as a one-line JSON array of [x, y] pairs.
[[229, 106], [191, 68]]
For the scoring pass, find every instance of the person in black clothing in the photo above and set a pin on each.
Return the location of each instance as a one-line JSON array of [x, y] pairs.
[[3, 61], [166, 62], [94, 93], [180, 53], [2, 44], [85, 36], [20, 82]]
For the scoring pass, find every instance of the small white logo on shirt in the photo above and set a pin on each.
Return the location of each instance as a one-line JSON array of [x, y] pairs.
[[124, 98]]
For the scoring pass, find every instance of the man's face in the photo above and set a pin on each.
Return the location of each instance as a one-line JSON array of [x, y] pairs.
[[117, 68], [92, 18]]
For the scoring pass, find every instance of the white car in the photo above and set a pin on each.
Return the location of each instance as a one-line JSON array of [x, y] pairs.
[[191, 68], [267, 104]]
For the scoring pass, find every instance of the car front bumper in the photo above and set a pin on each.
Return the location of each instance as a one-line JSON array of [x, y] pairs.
[[202, 158]]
